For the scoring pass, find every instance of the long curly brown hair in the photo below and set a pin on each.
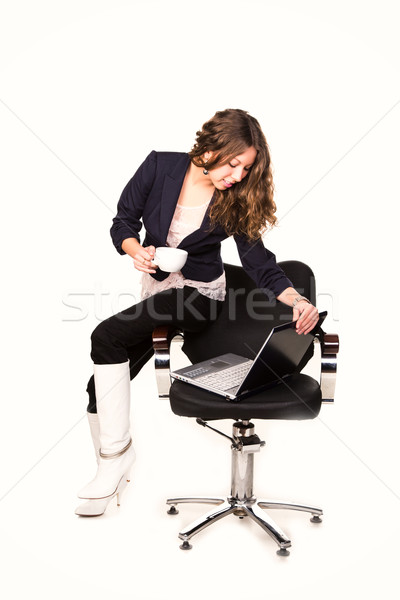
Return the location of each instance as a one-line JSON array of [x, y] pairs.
[[248, 207]]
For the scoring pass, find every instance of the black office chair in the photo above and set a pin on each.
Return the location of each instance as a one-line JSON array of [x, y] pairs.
[[246, 319]]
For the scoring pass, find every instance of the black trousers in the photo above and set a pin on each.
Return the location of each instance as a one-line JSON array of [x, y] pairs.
[[128, 334]]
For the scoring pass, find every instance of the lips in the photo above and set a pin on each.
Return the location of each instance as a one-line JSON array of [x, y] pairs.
[[227, 183]]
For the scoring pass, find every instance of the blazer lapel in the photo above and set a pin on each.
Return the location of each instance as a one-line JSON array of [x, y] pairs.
[[204, 231], [170, 194]]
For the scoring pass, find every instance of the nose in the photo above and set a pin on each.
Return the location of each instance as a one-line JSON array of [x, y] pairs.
[[238, 173]]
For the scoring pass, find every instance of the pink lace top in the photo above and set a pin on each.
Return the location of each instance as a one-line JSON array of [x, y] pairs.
[[185, 221]]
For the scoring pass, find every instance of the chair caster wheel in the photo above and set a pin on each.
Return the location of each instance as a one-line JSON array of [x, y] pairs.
[[172, 511], [185, 546], [282, 552], [316, 519]]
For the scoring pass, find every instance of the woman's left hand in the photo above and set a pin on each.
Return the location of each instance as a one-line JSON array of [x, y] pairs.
[[306, 316]]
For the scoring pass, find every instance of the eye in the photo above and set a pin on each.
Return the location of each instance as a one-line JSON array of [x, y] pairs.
[[234, 166]]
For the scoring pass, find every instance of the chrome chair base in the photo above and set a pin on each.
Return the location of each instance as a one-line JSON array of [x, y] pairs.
[[252, 508], [241, 503]]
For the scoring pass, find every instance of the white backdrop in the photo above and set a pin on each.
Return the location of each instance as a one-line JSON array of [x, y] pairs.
[[87, 89]]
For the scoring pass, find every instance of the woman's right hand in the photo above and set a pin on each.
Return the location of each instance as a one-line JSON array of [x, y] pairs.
[[142, 259]]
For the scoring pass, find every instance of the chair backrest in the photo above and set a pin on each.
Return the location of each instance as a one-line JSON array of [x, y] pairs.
[[248, 315]]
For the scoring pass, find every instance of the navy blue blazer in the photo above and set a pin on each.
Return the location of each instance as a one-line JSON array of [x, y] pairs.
[[151, 196]]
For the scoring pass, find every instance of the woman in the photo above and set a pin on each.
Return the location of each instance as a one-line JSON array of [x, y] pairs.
[[193, 201]]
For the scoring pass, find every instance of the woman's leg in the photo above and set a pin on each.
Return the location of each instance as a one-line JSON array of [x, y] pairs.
[[185, 308], [128, 334], [121, 345]]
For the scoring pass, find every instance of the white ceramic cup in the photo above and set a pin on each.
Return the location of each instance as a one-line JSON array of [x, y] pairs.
[[170, 259]]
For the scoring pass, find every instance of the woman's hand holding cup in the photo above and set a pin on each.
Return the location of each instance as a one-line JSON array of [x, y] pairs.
[[143, 258]]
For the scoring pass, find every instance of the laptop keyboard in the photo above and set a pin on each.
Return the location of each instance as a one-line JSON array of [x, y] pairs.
[[195, 372], [227, 378]]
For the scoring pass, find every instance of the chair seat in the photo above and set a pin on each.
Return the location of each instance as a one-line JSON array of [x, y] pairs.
[[298, 398]]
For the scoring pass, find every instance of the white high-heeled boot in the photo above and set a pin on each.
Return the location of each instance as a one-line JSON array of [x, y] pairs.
[[116, 455], [95, 508]]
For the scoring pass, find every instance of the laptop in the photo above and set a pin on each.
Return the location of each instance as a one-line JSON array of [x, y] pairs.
[[236, 377]]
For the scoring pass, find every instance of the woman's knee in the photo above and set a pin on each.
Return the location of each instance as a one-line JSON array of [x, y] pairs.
[[105, 345], [100, 334]]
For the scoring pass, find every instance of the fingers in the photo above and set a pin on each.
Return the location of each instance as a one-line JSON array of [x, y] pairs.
[[308, 318], [143, 260]]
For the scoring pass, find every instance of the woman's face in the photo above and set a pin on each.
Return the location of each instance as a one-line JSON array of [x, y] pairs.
[[238, 167]]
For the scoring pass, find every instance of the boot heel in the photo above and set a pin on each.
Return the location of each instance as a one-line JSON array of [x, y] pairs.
[[121, 488]]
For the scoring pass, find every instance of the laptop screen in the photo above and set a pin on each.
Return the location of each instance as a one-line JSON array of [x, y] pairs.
[[279, 356]]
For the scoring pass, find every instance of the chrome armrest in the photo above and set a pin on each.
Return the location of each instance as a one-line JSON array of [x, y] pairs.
[[329, 343], [162, 338]]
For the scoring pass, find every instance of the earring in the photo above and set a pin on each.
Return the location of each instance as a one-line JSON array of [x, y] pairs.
[[205, 170]]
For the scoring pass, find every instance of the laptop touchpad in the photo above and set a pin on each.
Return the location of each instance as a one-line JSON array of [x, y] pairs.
[[220, 364]]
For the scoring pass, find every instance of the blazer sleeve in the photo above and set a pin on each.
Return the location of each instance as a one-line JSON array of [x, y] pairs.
[[127, 223], [260, 264]]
